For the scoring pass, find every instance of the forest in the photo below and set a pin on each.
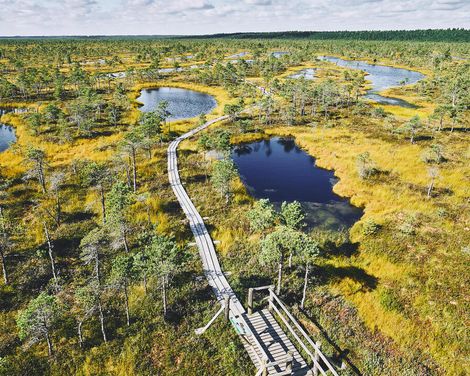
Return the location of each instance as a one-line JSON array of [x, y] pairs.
[[100, 272], [430, 35]]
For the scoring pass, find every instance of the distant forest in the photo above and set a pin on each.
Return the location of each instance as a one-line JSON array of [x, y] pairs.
[[434, 35]]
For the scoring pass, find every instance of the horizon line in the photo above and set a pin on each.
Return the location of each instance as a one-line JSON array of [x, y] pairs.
[[221, 33]]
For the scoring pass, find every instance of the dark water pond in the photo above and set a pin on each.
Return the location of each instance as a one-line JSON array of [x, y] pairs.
[[182, 103], [279, 170], [308, 74], [382, 77], [7, 136]]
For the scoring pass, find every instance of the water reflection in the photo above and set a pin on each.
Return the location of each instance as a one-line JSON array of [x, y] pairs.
[[182, 103], [382, 77], [279, 170], [279, 54], [308, 74], [7, 137]]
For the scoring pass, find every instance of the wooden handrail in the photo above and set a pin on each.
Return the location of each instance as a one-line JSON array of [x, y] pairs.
[[251, 291], [264, 357], [274, 297]]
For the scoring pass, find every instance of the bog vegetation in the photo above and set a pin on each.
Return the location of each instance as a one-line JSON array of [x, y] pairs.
[[98, 273]]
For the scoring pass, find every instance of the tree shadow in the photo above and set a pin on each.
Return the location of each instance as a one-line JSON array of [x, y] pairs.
[[341, 354], [253, 280], [77, 217], [441, 192], [245, 281], [200, 178], [186, 152], [459, 130], [331, 273], [66, 246], [172, 207], [423, 138], [346, 249]]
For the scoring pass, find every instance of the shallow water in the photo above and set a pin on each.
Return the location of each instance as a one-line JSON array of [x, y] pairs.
[[382, 77], [14, 110], [308, 74], [279, 170], [278, 54], [7, 133], [182, 103], [116, 75], [7, 136], [235, 56]]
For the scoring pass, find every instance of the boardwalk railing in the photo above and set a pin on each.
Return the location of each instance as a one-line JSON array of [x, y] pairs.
[[319, 362]]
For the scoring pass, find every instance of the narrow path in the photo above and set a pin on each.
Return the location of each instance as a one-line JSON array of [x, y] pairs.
[[210, 262], [264, 340]]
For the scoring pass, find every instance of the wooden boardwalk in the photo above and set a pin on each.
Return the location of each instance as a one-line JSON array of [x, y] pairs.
[[267, 344], [278, 348]]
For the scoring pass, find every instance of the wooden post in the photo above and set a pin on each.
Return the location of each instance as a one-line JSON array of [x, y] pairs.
[[289, 360], [227, 307], [317, 358], [264, 364], [271, 299], [250, 301]]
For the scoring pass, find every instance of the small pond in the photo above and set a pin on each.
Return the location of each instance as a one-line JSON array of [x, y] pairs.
[[236, 56], [308, 74], [182, 103], [248, 61], [116, 75], [7, 136], [278, 54], [12, 110], [279, 170], [382, 77], [7, 133]]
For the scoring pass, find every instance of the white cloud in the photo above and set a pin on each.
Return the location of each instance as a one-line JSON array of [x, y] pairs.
[[40, 17], [258, 2]]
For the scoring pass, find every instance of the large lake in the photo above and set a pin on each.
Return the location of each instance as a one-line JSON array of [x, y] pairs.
[[279, 170], [382, 77], [182, 103]]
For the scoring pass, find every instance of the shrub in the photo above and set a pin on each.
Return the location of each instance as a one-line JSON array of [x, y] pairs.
[[361, 108], [407, 228], [370, 227], [434, 154], [365, 166], [379, 112], [408, 224], [389, 300]]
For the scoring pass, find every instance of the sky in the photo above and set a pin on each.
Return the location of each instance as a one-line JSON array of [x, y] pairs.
[[191, 17]]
